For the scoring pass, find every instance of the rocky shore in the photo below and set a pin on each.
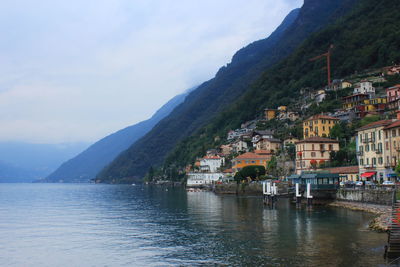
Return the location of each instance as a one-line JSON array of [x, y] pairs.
[[383, 212]]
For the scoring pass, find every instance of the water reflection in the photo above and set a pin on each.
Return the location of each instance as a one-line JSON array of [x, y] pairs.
[[100, 225]]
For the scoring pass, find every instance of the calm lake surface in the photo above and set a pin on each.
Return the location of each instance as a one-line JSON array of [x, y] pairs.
[[123, 225]]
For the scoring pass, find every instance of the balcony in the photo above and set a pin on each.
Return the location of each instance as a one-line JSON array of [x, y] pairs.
[[378, 151], [369, 166], [367, 140]]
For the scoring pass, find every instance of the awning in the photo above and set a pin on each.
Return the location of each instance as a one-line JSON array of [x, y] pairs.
[[368, 174], [391, 175]]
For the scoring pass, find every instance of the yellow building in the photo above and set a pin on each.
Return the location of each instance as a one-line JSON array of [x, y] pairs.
[[318, 125], [259, 157], [346, 84], [373, 104], [314, 151], [282, 108], [348, 173], [269, 114]]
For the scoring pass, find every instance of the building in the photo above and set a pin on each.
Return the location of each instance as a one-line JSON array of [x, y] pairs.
[[373, 153], [226, 149], [376, 105], [314, 151], [250, 159], [346, 84], [318, 125], [347, 173], [344, 115], [269, 114], [392, 144], [240, 146], [269, 144], [290, 141], [319, 181], [199, 179], [364, 87], [393, 97], [351, 101], [257, 135], [320, 96], [211, 163]]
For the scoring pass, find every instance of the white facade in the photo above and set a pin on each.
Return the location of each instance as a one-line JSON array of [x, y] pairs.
[[211, 164], [200, 178], [365, 87]]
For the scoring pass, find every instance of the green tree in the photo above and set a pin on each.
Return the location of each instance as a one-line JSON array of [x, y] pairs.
[[253, 172]]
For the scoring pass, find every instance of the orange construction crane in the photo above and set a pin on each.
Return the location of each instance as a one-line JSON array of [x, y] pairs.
[[328, 62]]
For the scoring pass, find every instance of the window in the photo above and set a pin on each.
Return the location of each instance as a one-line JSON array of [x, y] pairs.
[[361, 161], [253, 161], [361, 148], [247, 162], [379, 135], [321, 147], [387, 145], [323, 128], [366, 148], [380, 160], [373, 161], [313, 154], [373, 136], [361, 138], [330, 147], [386, 135], [393, 133], [239, 162], [373, 147], [367, 161]]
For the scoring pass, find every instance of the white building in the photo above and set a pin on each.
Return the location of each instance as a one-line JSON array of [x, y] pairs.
[[320, 96], [364, 87], [203, 178], [211, 163]]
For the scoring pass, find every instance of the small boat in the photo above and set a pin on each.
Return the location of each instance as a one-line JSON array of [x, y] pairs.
[[134, 184]]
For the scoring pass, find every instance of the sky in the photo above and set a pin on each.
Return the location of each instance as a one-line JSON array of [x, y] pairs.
[[76, 71]]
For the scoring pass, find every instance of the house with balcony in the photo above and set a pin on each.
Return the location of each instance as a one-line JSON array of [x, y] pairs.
[[393, 97], [269, 144], [319, 125], [373, 151], [364, 87], [313, 152], [351, 101]]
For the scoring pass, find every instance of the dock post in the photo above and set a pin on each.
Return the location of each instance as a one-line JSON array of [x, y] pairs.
[[298, 195], [264, 194], [309, 196]]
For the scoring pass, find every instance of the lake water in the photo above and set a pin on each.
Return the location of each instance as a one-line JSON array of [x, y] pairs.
[[123, 225]]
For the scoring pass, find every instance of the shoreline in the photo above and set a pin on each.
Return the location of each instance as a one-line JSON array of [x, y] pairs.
[[380, 223]]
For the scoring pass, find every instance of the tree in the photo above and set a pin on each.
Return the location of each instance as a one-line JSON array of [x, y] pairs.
[[272, 166], [253, 172]]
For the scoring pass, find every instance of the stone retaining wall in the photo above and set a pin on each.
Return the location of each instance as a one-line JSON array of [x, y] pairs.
[[375, 196]]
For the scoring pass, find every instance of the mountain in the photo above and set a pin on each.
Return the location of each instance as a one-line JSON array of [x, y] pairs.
[[25, 162], [367, 38], [229, 84], [87, 164]]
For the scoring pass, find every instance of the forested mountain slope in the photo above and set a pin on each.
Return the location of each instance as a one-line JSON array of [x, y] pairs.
[[229, 84], [367, 38]]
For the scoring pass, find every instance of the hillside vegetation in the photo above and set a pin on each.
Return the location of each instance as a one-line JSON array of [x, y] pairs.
[[368, 37], [217, 95]]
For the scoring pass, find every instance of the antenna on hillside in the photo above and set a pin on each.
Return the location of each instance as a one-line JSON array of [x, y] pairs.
[[328, 62]]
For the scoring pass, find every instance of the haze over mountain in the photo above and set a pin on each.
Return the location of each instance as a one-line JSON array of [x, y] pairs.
[[87, 164], [229, 84], [24, 162]]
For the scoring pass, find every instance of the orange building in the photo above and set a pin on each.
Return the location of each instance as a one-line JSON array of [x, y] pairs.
[[258, 157]]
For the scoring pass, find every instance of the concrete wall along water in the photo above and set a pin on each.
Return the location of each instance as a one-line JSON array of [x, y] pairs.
[[374, 196]]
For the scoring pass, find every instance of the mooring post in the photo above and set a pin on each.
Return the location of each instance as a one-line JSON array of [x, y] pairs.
[[309, 196], [268, 193], [298, 195], [264, 194]]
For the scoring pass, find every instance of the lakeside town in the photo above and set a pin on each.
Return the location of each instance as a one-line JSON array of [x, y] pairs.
[[369, 156]]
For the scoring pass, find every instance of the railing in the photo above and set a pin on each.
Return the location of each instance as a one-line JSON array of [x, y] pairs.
[[368, 140], [379, 151]]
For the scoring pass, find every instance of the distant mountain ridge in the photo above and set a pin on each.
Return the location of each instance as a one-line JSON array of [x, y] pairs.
[[26, 162], [87, 164], [229, 84]]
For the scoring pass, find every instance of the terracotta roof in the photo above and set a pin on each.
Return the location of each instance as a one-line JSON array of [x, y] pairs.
[[251, 155], [375, 124], [261, 151], [317, 139], [347, 169], [320, 116], [393, 125]]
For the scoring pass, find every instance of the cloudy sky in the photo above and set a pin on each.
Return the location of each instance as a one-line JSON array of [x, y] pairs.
[[78, 70]]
